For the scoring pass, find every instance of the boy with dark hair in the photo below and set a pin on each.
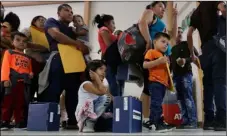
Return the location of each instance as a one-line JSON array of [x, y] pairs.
[[16, 72], [155, 62], [62, 6]]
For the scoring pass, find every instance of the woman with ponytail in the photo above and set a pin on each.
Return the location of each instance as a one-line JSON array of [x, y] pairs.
[[106, 26], [106, 38]]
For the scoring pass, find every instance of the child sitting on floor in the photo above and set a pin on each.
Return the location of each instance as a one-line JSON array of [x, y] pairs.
[[94, 96]]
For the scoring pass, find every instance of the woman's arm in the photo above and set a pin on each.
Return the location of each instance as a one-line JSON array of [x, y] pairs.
[[175, 27], [36, 47], [144, 22], [106, 37]]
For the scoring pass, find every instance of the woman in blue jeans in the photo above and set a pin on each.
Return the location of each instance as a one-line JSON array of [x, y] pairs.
[[106, 26]]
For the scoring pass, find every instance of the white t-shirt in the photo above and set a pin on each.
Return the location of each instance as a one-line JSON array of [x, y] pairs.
[[83, 95]]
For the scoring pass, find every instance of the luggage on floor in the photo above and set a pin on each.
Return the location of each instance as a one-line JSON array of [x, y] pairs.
[[127, 117], [171, 109], [43, 117]]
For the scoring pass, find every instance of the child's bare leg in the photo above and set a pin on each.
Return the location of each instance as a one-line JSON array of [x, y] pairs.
[[64, 116]]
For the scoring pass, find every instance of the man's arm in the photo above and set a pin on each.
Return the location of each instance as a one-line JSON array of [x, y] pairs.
[[52, 29], [62, 38], [36, 47], [190, 39]]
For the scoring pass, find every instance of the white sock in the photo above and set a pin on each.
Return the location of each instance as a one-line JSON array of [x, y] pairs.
[[146, 119]]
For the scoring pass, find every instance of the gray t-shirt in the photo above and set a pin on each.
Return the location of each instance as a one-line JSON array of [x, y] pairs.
[[83, 38]]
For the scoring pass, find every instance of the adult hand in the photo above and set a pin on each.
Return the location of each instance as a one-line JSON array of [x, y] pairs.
[[83, 48], [7, 83], [175, 11], [181, 61]]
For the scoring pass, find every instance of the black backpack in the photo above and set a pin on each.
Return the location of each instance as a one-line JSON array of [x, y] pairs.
[[220, 37], [132, 45]]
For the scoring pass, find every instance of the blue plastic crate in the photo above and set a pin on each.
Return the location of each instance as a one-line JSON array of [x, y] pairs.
[[43, 117], [127, 115]]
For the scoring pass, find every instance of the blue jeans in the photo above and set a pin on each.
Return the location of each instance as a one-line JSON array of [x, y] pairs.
[[213, 62], [184, 86], [101, 104], [157, 93], [112, 80]]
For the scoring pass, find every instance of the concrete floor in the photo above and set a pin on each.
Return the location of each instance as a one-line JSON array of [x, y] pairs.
[[74, 133]]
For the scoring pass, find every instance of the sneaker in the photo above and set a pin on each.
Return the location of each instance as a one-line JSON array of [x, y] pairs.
[[188, 126], [147, 125], [5, 126], [162, 128], [209, 125], [88, 127], [21, 125], [221, 126], [63, 124], [71, 125]]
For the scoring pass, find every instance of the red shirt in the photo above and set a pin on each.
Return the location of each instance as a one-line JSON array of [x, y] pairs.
[[102, 44]]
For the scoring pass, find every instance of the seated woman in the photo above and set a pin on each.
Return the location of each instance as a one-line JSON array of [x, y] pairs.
[[94, 96]]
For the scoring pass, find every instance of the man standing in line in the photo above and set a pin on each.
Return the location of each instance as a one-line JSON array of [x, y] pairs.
[[213, 62], [182, 76], [59, 32]]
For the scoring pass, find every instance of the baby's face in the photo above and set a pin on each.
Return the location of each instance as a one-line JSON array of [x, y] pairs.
[[78, 21]]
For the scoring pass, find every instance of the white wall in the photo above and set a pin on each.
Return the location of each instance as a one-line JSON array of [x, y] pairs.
[[27, 13]]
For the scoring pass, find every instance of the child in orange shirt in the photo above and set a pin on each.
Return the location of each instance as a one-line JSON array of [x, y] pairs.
[[15, 73], [155, 62]]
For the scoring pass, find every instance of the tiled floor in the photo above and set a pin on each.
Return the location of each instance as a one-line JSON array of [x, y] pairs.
[[73, 133]]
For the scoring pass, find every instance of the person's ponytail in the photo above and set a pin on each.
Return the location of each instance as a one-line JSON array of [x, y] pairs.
[[100, 20]]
